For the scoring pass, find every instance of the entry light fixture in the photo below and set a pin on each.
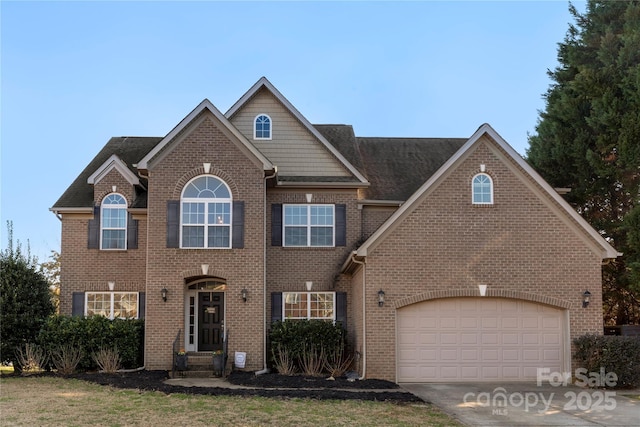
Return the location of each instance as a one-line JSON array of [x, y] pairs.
[[243, 293], [380, 298], [586, 297], [164, 292]]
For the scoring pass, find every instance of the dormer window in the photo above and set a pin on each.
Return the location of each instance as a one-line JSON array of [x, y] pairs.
[[482, 189], [113, 222], [262, 127]]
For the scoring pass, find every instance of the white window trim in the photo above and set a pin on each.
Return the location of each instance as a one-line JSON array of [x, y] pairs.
[[308, 226], [490, 202], [112, 300], [308, 294], [126, 222], [255, 122], [206, 202]]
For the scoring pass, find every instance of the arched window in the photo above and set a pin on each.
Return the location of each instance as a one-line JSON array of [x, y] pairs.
[[113, 224], [262, 127], [482, 189], [205, 219]]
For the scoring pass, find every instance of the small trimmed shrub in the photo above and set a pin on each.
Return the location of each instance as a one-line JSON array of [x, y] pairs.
[[618, 354], [306, 344], [90, 334]]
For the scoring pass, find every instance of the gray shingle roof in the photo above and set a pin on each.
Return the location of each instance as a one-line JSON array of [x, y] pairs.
[[129, 149], [395, 167]]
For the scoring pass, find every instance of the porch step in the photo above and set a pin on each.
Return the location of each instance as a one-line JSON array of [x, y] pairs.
[[200, 365]]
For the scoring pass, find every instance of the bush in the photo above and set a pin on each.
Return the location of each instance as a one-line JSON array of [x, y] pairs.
[[306, 343], [92, 334], [618, 354]]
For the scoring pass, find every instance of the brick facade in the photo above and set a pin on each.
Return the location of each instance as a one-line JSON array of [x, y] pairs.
[[524, 246]]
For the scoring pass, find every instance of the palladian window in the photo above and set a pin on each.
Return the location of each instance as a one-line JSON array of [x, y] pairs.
[[482, 189], [205, 220]]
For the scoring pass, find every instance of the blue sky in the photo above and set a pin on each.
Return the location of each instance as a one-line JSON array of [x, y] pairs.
[[73, 74]]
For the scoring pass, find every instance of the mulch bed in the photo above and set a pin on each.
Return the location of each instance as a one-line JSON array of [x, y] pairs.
[[267, 385]]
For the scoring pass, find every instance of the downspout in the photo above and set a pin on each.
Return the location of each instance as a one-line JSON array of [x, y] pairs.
[[265, 369], [364, 313]]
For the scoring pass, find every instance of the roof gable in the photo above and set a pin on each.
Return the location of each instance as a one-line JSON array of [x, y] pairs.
[[113, 162], [324, 151], [206, 107], [553, 199]]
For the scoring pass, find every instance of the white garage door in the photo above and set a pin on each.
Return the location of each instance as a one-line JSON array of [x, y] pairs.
[[478, 339]]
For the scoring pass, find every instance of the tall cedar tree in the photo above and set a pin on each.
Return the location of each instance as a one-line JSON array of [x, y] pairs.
[[588, 139], [25, 300]]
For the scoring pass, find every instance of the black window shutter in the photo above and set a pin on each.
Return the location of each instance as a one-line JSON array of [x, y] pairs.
[[341, 309], [341, 225], [276, 224], [77, 304], [141, 305], [132, 232], [276, 307], [173, 223], [93, 241], [238, 225]]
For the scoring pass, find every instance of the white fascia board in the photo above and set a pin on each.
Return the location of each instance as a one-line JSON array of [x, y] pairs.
[[71, 210], [293, 110], [204, 105], [113, 162], [608, 250]]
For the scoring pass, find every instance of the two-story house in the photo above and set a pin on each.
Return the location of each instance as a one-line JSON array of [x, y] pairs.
[[446, 259]]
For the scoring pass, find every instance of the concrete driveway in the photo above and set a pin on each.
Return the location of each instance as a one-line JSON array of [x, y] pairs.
[[527, 404]]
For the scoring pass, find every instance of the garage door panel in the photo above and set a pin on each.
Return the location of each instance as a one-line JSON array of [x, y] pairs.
[[478, 339]]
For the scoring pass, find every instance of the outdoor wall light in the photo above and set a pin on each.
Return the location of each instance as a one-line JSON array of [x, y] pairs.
[[243, 293], [163, 292], [586, 297], [380, 298]]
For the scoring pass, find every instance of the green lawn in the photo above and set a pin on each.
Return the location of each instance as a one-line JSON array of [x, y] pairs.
[[31, 401]]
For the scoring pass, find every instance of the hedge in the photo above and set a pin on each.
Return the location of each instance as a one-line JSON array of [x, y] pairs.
[[617, 354]]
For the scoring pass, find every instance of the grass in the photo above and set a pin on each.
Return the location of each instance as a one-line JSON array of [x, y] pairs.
[[29, 401]]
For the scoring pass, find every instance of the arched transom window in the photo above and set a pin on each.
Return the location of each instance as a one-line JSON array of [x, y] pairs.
[[113, 224], [262, 127], [482, 189], [206, 213]]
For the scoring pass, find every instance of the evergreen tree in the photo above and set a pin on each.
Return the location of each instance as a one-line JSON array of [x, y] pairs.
[[588, 138], [25, 300]]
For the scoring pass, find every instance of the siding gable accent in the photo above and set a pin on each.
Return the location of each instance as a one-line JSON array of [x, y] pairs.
[[276, 224], [173, 223], [238, 225], [93, 241], [77, 304], [276, 307]]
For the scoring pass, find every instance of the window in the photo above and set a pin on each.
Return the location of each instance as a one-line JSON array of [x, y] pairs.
[[482, 189], [262, 128], [112, 304], [206, 214], [113, 224], [309, 225], [309, 305]]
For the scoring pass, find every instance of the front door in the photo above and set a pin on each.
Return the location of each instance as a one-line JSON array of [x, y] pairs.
[[210, 320]]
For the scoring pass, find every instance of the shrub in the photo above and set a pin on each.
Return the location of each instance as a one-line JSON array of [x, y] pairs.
[[282, 361], [66, 358], [91, 334], [305, 342], [107, 359], [32, 359], [618, 354]]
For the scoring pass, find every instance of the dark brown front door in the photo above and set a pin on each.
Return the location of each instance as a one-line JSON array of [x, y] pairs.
[[210, 320]]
